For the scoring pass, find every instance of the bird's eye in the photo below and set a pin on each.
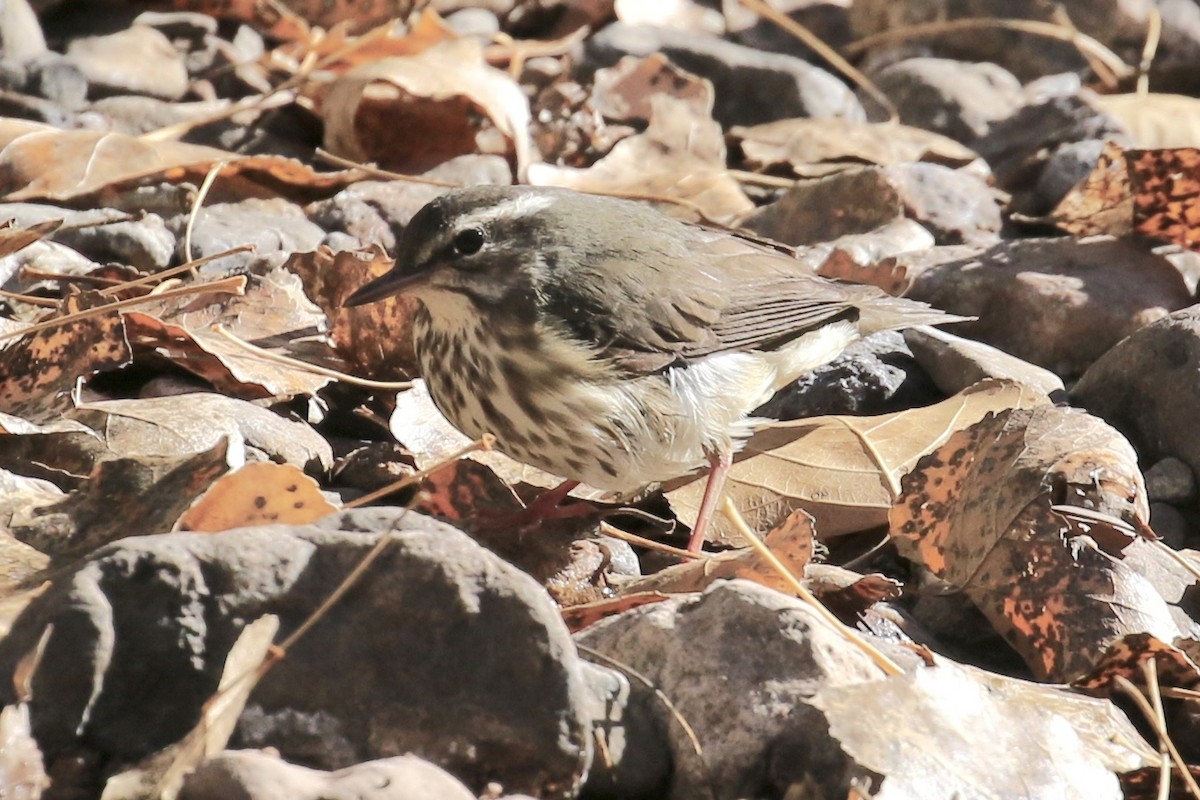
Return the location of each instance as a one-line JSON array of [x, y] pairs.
[[468, 241]]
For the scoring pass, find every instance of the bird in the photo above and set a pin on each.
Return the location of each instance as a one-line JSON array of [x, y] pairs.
[[603, 341]]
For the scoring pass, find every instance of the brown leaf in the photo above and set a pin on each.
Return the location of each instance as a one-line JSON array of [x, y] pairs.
[[42, 162], [888, 274], [979, 513], [375, 338], [681, 154], [259, 493], [584, 615], [845, 471], [1125, 658], [1151, 193], [441, 103], [814, 147], [1101, 203], [39, 371], [791, 542]]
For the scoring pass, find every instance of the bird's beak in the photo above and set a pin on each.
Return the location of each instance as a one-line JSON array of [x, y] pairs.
[[384, 286]]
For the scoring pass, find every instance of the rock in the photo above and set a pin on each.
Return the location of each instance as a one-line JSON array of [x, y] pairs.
[[1172, 526], [953, 205], [57, 79], [740, 662], [954, 363], [751, 86], [376, 212], [1019, 147], [1148, 387], [637, 760], [441, 650], [250, 775], [272, 226], [959, 99], [1057, 303], [21, 34], [144, 243], [1067, 165], [1120, 24], [876, 375], [828, 20], [1170, 481], [139, 60]]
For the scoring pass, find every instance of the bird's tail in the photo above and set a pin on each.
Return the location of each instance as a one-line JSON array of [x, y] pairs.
[[892, 313]]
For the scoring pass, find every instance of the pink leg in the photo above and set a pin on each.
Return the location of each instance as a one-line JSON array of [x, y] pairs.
[[712, 495]]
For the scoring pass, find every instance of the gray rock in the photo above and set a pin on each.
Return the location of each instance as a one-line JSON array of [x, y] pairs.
[[57, 79], [144, 242], [441, 650], [1171, 481], [954, 363], [876, 375], [1019, 147], [1057, 303], [954, 206], [1148, 387], [751, 86], [137, 60], [376, 212], [740, 663], [959, 99], [250, 775], [272, 226]]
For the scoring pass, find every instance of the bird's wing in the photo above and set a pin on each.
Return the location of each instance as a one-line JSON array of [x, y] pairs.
[[718, 293]]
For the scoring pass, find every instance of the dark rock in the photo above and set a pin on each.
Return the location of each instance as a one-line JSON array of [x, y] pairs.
[[637, 762], [874, 376], [746, 692], [1067, 165], [1057, 303], [250, 775], [376, 212], [1170, 480], [953, 205], [1019, 147], [1148, 387], [441, 650], [958, 99], [751, 86]]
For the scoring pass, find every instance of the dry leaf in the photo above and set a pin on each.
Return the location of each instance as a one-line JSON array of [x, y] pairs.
[[681, 154], [845, 471], [1125, 658], [376, 338], [1151, 193], [1155, 120], [981, 514], [814, 147], [39, 371], [791, 542], [42, 162], [260, 493], [272, 314], [888, 274], [441, 103]]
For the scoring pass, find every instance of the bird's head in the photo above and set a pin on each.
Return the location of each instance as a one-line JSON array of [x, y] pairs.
[[488, 244]]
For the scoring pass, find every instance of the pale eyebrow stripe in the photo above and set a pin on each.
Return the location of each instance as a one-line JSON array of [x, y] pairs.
[[517, 206]]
